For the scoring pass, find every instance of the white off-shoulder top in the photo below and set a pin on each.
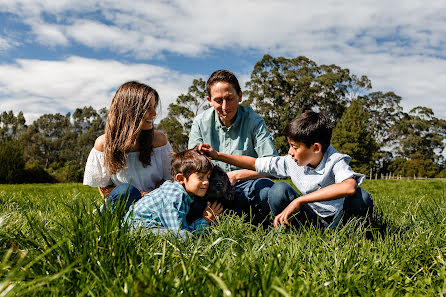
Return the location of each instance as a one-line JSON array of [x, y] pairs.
[[143, 178]]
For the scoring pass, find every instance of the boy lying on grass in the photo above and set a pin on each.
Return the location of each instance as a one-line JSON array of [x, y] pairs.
[[330, 189], [164, 209]]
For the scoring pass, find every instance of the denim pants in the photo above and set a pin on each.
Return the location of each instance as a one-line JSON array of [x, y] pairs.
[[282, 194], [123, 194], [251, 199]]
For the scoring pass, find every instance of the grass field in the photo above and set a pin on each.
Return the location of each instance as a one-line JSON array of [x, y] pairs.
[[51, 243]]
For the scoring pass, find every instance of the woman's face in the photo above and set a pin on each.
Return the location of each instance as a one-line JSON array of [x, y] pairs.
[[149, 117]]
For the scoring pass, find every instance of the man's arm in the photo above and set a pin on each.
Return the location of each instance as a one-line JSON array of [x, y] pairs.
[[242, 175], [195, 136], [331, 192]]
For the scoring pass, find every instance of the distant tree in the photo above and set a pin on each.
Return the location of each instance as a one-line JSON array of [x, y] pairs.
[[415, 167], [384, 111], [43, 140], [12, 169], [281, 88], [87, 125], [178, 122], [10, 125], [353, 137], [419, 135]]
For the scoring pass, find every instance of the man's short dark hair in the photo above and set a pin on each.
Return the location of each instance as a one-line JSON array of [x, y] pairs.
[[222, 75], [310, 128], [188, 162]]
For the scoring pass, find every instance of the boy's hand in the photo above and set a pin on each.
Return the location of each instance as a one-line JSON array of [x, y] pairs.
[[211, 212], [285, 216], [208, 150]]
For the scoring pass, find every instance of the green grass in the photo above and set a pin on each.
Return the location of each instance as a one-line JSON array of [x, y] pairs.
[[51, 243]]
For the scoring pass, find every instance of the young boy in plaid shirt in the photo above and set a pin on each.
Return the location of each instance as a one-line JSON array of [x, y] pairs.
[[164, 209]]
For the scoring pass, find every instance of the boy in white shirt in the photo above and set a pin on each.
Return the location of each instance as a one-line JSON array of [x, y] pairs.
[[330, 188]]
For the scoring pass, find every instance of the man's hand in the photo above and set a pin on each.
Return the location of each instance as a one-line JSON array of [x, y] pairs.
[[208, 150], [232, 175], [285, 216], [211, 212]]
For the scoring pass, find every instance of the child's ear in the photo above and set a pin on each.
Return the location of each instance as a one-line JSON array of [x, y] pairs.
[[317, 148], [180, 178]]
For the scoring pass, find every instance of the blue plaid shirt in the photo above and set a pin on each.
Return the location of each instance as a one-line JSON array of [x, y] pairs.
[[167, 207]]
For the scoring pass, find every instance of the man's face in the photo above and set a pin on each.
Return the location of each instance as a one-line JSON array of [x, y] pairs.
[[224, 99]]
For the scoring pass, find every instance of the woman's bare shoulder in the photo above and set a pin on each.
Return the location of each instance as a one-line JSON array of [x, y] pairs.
[[99, 144], [159, 139]]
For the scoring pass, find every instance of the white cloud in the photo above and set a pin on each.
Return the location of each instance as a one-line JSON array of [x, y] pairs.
[[400, 44], [37, 87]]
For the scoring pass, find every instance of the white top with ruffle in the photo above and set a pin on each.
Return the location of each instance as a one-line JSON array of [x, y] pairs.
[[143, 178]]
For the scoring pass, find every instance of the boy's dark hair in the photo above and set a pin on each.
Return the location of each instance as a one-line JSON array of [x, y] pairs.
[[310, 127], [188, 162], [222, 75]]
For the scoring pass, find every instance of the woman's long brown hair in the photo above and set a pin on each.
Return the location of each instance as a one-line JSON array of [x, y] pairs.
[[123, 126]]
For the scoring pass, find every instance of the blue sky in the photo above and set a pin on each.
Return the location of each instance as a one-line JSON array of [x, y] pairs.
[[57, 55]]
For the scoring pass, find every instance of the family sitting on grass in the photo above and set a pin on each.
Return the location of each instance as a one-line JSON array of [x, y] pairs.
[[133, 165]]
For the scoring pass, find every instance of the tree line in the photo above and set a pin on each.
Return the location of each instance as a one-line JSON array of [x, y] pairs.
[[371, 127]]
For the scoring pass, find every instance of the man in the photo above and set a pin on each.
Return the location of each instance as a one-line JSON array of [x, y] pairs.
[[235, 129]]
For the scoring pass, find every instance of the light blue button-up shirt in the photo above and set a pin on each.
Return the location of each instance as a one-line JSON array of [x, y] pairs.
[[247, 136], [333, 168]]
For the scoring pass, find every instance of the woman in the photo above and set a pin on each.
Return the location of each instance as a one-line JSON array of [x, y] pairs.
[[131, 156]]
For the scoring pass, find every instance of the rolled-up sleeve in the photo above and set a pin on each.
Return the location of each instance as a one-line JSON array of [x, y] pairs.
[[263, 143], [275, 166], [95, 174], [343, 171], [195, 136]]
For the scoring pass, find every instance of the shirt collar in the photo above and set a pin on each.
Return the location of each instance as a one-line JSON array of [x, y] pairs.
[[238, 119], [186, 196], [320, 168]]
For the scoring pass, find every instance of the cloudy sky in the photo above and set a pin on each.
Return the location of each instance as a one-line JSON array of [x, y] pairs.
[[57, 55]]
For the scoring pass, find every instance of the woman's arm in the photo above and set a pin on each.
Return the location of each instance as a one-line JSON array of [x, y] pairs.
[[105, 191]]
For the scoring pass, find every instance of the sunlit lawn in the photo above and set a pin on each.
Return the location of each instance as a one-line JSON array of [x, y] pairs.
[[51, 243]]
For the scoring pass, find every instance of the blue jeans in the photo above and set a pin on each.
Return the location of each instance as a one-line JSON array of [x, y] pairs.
[[252, 198], [281, 194], [123, 194]]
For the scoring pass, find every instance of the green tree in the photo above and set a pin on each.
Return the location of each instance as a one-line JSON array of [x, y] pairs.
[[44, 139], [179, 119], [281, 88], [419, 135], [10, 125], [384, 111], [410, 168], [12, 169], [353, 137]]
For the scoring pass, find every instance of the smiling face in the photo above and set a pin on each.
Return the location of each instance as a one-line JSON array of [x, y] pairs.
[[304, 155], [149, 117], [197, 183], [225, 100]]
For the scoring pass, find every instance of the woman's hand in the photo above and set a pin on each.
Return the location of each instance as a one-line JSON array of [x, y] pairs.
[[211, 212]]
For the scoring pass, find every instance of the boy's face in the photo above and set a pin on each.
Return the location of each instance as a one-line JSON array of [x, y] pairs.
[[304, 155], [197, 183]]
